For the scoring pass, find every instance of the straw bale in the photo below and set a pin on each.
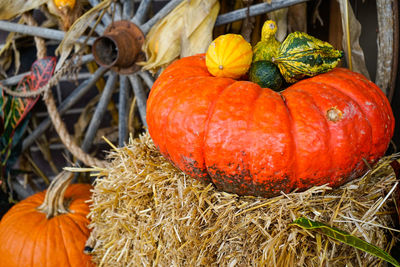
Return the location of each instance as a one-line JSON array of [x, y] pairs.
[[145, 212]]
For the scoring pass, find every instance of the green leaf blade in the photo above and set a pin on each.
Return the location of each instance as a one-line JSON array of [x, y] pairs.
[[345, 238]]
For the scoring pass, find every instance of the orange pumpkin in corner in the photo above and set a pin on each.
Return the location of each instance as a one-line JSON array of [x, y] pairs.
[[48, 228]]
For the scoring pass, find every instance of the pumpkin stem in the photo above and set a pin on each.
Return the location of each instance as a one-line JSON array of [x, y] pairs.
[[334, 114], [53, 203]]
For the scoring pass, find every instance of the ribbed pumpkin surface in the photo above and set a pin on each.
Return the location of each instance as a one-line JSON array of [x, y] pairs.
[[29, 239], [250, 140]]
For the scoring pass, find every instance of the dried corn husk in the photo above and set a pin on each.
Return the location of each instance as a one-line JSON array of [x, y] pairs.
[[280, 17], [187, 30], [356, 61], [162, 43], [12, 8], [66, 15], [145, 212], [198, 22], [76, 31]]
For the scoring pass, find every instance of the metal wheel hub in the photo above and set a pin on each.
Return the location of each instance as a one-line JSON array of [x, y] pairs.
[[120, 47]]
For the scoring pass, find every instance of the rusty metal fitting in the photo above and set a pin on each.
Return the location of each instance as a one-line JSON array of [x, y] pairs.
[[120, 47]]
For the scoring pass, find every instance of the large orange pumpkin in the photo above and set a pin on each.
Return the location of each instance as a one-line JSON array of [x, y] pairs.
[[47, 229], [252, 140]]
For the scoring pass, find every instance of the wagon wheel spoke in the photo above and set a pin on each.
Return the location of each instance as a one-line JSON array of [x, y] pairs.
[[99, 112], [99, 29], [117, 10], [160, 14], [140, 95], [106, 19], [141, 12], [39, 32], [123, 110], [147, 78], [127, 9], [254, 10]]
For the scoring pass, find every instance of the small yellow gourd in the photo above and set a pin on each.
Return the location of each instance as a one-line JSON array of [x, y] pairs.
[[229, 56], [267, 48], [65, 3]]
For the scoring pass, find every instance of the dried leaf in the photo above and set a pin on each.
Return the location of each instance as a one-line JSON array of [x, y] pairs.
[[193, 20], [8, 43], [280, 17], [17, 57], [199, 20], [346, 238], [162, 43], [77, 29], [9, 48], [357, 54], [6, 58], [12, 8], [65, 15]]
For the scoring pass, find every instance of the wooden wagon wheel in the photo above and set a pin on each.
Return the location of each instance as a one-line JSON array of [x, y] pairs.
[[116, 49], [117, 58]]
